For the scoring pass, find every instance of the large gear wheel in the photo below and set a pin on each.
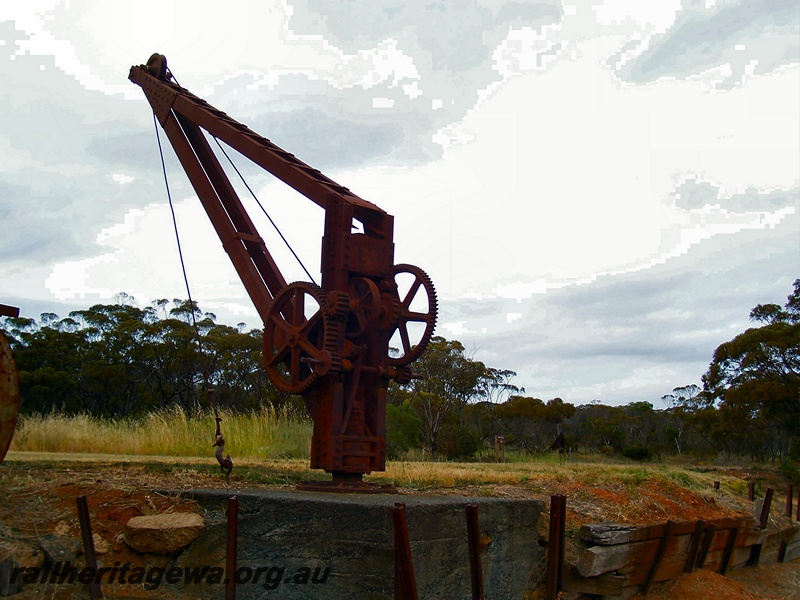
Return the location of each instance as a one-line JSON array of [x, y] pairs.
[[298, 349], [418, 307]]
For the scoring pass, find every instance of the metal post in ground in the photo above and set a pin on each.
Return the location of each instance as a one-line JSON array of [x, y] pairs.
[[95, 592], [405, 584], [755, 551], [555, 546], [705, 545], [474, 545], [694, 546], [726, 555], [766, 508], [789, 499], [230, 550], [662, 548]]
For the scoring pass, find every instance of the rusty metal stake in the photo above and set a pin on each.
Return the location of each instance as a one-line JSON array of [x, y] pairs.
[[751, 491], [694, 545], [706, 545], [766, 508], [555, 546], [662, 547], [726, 555], [230, 555], [789, 499], [474, 544], [95, 592], [755, 551], [797, 512], [405, 584]]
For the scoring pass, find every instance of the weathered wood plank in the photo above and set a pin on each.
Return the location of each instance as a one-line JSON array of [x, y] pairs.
[[597, 560], [610, 570], [607, 534]]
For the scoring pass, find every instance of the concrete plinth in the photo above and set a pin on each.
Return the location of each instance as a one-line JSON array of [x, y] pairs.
[[318, 545]]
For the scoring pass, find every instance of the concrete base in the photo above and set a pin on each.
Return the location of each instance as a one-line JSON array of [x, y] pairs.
[[318, 545]]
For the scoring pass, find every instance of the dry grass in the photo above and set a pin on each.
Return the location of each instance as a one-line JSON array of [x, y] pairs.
[[266, 433]]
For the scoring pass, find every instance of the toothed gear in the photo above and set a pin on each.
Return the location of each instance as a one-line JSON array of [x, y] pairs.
[[405, 315], [300, 349], [365, 306], [336, 309]]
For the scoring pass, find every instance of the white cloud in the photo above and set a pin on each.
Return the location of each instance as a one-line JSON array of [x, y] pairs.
[[655, 16], [121, 178]]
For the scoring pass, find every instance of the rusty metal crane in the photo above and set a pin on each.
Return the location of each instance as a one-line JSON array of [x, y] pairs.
[[328, 343]]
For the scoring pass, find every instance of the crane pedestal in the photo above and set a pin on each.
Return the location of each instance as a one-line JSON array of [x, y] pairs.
[[283, 532]]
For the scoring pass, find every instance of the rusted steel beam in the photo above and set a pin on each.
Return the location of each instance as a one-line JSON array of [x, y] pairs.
[[704, 547], [474, 545], [555, 546], [405, 584], [694, 546], [8, 311], [230, 550], [95, 591], [662, 547], [726, 555]]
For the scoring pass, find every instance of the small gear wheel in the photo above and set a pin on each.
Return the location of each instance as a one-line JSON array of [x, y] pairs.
[[365, 306]]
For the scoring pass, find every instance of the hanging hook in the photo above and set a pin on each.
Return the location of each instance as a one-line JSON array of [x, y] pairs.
[[226, 464]]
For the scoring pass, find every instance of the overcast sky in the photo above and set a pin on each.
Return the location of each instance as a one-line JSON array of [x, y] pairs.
[[600, 191]]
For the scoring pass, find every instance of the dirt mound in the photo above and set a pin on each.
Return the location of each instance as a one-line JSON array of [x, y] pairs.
[[767, 582]]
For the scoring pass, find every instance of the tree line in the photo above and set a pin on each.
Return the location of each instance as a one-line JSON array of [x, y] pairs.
[[121, 360]]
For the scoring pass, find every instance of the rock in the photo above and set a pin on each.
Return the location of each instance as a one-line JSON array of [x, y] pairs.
[[59, 548], [100, 545], [62, 528], [163, 534], [23, 554]]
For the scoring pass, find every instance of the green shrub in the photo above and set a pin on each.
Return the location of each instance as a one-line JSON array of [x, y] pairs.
[[640, 453], [454, 441], [402, 430]]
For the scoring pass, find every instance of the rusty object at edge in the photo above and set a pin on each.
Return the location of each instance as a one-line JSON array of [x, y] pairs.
[[9, 396]]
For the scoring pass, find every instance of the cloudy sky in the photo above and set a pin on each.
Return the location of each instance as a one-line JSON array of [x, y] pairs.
[[600, 190]]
